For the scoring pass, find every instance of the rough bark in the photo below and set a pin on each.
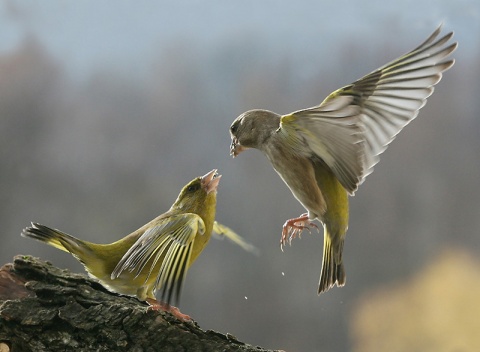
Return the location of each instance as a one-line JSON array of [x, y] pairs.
[[44, 308]]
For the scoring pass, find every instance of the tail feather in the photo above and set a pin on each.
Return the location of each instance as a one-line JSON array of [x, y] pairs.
[[333, 271], [54, 237]]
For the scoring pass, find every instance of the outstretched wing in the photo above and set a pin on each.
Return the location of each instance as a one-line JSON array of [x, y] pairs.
[[225, 231], [171, 242], [355, 124]]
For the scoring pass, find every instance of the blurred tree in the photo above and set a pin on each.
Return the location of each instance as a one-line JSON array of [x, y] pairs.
[[436, 310]]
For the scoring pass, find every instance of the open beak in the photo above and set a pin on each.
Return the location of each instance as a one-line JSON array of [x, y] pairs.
[[210, 181], [235, 147]]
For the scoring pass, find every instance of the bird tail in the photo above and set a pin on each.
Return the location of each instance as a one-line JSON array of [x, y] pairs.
[[56, 239], [333, 271]]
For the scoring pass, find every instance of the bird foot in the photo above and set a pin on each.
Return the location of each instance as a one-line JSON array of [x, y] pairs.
[[157, 305], [294, 227]]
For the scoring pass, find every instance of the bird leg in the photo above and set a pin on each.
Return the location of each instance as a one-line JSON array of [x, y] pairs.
[[157, 305], [294, 227]]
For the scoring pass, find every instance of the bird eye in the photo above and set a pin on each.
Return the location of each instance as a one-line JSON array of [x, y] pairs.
[[234, 128], [192, 188]]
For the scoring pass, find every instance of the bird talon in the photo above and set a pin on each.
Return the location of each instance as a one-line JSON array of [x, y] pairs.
[[293, 228], [154, 305]]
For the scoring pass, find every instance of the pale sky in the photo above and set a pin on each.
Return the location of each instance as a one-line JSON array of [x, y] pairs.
[[126, 35]]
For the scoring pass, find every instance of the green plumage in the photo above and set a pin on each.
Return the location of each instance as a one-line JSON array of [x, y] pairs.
[[324, 153]]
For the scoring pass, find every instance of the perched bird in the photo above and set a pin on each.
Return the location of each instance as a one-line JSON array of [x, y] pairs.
[[325, 152], [154, 257]]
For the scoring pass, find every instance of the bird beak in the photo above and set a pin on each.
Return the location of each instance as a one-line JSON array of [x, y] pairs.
[[210, 181], [235, 147]]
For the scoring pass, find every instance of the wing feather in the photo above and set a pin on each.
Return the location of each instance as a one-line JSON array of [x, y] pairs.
[[170, 243], [355, 124]]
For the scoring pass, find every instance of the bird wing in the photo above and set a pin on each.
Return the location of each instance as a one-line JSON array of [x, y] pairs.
[[225, 231], [355, 124], [170, 241]]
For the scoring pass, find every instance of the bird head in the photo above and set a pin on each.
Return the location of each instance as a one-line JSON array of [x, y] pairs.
[[195, 195], [252, 129]]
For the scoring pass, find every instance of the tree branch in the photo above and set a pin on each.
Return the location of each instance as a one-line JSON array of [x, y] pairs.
[[44, 308]]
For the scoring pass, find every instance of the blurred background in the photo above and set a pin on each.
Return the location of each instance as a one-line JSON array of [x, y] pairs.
[[108, 108]]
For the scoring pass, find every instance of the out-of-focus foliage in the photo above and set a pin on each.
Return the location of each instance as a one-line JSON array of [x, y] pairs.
[[435, 310]]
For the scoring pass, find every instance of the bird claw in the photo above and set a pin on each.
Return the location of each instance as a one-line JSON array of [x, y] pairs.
[[162, 306], [294, 227]]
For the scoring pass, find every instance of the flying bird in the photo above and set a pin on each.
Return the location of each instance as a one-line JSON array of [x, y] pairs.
[[324, 153]]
